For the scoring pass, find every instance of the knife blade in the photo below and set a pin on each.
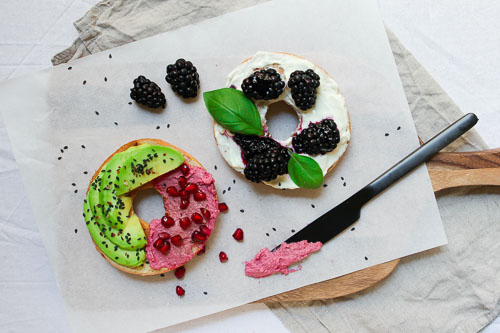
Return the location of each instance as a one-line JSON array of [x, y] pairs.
[[341, 217]]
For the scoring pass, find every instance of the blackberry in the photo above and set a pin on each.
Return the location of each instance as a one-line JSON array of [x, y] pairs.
[[303, 86], [318, 138], [253, 145], [183, 78], [267, 165], [265, 84], [147, 93]]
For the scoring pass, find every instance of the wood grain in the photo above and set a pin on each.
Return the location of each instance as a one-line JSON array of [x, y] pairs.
[[446, 170]]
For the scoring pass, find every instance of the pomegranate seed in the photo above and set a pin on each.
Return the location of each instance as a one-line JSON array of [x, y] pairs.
[[179, 272], [179, 291], [197, 218], [182, 182], [198, 236], [185, 222], [165, 248], [199, 195], [172, 191], [176, 240], [164, 235], [191, 187], [158, 243], [238, 235], [205, 212], [184, 169], [204, 229], [222, 256], [167, 221], [201, 251], [223, 207], [184, 204], [184, 194]]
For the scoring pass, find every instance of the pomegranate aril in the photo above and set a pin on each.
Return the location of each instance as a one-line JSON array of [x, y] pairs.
[[197, 218], [165, 248], [176, 240], [179, 291], [198, 236], [172, 191], [191, 187], [238, 235], [205, 212], [167, 221], [185, 222], [223, 207], [204, 229], [222, 256], [199, 196], [179, 272], [164, 235], [184, 194], [184, 204], [182, 181], [184, 169], [158, 243]]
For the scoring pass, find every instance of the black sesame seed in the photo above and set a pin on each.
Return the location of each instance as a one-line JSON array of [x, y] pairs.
[[105, 79], [224, 192], [344, 184], [399, 127], [83, 146], [229, 188], [65, 147], [215, 167], [76, 191], [205, 293], [267, 234], [386, 134], [62, 151], [162, 275], [70, 68], [97, 113], [84, 81], [242, 210], [313, 206], [59, 158], [366, 258], [129, 103], [168, 125], [157, 127], [116, 258], [274, 229], [234, 181], [325, 185], [110, 56], [76, 230], [116, 123], [293, 230], [352, 229], [342, 178], [73, 184]]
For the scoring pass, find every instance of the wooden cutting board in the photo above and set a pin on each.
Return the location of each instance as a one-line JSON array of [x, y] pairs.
[[446, 170]]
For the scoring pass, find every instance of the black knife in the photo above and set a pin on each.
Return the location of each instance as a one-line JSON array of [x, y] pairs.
[[348, 212]]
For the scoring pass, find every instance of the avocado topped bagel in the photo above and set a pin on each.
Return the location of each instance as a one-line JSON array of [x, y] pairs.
[[190, 200]]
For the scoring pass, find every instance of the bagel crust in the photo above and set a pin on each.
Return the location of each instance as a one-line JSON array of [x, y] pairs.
[[329, 104], [144, 269]]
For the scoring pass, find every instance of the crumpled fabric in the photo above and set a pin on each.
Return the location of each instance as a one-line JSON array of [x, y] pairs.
[[454, 288]]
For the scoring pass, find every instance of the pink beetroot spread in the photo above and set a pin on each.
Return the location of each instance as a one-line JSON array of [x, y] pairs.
[[266, 262], [178, 255]]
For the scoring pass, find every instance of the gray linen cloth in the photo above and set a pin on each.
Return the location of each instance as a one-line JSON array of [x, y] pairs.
[[454, 288]]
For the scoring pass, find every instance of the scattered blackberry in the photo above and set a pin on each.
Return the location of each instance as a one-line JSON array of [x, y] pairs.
[[303, 86], [253, 145], [147, 93], [267, 165], [183, 78], [264, 84], [318, 138]]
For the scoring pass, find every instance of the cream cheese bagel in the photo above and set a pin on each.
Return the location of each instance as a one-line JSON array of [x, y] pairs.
[[329, 104]]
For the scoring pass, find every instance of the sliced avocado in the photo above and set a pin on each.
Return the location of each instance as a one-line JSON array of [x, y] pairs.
[[127, 258]]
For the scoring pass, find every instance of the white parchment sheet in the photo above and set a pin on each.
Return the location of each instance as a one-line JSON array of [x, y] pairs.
[[50, 110]]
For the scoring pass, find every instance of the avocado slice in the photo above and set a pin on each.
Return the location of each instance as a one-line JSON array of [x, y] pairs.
[[129, 258], [108, 208]]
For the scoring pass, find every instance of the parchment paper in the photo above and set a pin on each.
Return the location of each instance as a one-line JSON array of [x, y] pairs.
[[53, 109]]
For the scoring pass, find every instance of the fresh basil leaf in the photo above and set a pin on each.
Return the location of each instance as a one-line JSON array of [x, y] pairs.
[[233, 111], [304, 171]]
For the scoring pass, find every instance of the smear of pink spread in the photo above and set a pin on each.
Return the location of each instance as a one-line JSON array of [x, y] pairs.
[[177, 256], [266, 262]]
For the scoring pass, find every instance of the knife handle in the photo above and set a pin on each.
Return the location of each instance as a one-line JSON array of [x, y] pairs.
[[420, 155]]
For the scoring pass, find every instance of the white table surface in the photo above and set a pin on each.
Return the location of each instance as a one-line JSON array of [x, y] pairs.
[[456, 40]]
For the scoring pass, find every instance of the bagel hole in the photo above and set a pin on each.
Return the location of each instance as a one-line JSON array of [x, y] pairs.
[[148, 205], [281, 120]]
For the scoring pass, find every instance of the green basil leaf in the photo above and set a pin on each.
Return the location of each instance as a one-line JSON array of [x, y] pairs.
[[233, 111], [304, 171]]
